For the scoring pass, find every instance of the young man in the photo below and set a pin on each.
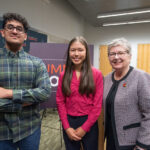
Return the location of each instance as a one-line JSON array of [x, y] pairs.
[[24, 83]]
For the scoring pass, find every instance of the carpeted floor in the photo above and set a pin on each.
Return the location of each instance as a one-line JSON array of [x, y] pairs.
[[51, 137]]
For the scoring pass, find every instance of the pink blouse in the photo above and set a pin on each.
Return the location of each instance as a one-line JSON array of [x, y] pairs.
[[80, 105]]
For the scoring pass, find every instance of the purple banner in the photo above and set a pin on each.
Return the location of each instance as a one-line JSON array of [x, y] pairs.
[[54, 57]]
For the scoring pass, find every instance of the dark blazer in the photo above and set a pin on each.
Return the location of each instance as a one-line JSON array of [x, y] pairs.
[[131, 110]]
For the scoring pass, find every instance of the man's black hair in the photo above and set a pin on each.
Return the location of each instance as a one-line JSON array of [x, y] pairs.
[[14, 16]]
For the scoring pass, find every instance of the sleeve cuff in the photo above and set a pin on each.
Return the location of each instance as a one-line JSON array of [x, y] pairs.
[[65, 124], [85, 128], [17, 96], [142, 145]]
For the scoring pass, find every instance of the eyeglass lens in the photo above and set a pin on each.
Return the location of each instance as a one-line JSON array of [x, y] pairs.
[[10, 27]]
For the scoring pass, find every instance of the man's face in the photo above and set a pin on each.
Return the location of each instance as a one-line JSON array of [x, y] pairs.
[[14, 33]]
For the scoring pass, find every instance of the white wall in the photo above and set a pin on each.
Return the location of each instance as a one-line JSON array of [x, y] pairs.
[[61, 22], [135, 34], [54, 17]]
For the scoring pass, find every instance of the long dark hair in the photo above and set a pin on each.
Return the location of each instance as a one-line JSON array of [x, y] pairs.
[[87, 85]]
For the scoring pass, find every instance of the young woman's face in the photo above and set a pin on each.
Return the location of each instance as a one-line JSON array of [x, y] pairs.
[[77, 53]]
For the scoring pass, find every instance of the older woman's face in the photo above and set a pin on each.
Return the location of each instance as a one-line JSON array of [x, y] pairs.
[[119, 57]]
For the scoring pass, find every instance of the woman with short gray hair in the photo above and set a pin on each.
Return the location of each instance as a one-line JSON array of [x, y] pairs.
[[126, 101], [122, 42]]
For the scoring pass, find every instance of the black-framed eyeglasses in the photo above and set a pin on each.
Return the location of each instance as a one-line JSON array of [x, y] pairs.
[[119, 54], [10, 27]]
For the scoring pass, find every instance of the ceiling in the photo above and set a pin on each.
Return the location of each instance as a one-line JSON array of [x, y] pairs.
[[89, 9]]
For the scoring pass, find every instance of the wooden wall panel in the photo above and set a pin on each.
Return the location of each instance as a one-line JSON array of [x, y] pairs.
[[143, 57], [105, 68]]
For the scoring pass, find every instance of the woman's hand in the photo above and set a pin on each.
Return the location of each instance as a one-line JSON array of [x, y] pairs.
[[138, 148], [80, 132], [72, 134]]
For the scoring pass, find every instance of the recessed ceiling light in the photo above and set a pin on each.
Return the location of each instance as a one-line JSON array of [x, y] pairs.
[[115, 14], [125, 23]]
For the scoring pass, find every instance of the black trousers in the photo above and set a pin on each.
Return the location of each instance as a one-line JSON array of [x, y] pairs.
[[89, 141]]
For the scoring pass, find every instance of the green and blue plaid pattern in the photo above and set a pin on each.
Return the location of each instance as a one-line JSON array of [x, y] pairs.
[[27, 76]]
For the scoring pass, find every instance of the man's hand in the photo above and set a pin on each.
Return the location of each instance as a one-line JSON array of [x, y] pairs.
[[72, 134], [26, 104], [6, 93], [80, 132]]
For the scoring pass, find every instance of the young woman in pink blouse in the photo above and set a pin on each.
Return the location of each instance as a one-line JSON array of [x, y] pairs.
[[79, 98]]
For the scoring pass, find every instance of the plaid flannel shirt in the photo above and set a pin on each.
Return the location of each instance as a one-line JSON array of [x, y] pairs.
[[27, 76]]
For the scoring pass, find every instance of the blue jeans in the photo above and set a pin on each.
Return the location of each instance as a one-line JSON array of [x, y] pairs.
[[29, 143]]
